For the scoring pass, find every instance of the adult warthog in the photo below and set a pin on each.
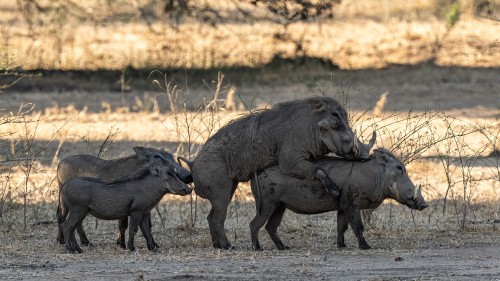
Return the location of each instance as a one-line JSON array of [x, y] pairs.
[[90, 166], [289, 135], [363, 185], [132, 197]]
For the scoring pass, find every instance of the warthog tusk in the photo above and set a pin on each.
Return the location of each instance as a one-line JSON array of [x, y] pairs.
[[415, 195], [372, 142], [355, 145]]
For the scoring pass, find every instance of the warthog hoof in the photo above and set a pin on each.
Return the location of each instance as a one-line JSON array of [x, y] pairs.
[[60, 240], [121, 243], [257, 248], [153, 246], [224, 247], [86, 243], [365, 247], [284, 248]]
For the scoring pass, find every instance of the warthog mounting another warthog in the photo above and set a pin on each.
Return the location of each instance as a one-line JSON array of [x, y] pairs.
[[132, 197], [90, 166], [289, 135], [363, 185]]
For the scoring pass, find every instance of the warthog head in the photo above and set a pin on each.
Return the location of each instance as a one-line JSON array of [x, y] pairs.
[[396, 180], [150, 155], [336, 134], [171, 181]]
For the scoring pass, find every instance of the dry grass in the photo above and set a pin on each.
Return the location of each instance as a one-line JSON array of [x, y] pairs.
[[363, 34]]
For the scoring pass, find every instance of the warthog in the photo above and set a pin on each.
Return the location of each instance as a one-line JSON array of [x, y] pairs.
[[363, 185], [90, 166], [132, 197], [289, 135]]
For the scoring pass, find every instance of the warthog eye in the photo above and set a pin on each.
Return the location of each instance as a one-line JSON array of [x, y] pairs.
[[401, 168]]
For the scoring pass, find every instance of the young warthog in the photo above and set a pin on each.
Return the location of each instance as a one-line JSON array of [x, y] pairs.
[[90, 166], [363, 185], [288, 135], [130, 197]]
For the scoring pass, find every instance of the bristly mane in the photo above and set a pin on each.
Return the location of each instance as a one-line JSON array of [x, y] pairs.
[[115, 162], [138, 175], [286, 108]]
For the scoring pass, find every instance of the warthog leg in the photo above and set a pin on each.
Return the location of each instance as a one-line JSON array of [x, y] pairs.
[[61, 217], [342, 225], [218, 218], [353, 215], [272, 226], [135, 220], [83, 237], [327, 182], [220, 199], [258, 221], [75, 216], [122, 227], [145, 226]]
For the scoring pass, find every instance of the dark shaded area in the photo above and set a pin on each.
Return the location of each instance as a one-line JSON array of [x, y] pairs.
[[410, 87], [45, 151]]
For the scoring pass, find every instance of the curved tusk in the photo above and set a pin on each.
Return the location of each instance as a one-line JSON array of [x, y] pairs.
[[355, 145], [415, 193], [372, 141]]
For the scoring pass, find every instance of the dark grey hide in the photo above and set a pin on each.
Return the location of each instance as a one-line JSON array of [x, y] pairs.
[[363, 185], [289, 135], [90, 166], [131, 197]]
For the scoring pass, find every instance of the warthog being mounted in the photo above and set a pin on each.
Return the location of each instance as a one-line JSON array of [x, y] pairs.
[[132, 197], [363, 185], [90, 166], [289, 135]]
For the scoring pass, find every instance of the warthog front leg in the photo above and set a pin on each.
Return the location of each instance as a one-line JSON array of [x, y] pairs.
[[145, 226], [354, 218], [342, 225], [135, 220], [83, 237], [327, 182], [272, 226]]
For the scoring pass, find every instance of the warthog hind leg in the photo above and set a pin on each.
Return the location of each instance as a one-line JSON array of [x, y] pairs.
[[257, 223], [272, 226], [122, 227], [354, 219], [75, 216]]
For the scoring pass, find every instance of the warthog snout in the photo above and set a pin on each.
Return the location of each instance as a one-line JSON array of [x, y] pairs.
[[416, 201]]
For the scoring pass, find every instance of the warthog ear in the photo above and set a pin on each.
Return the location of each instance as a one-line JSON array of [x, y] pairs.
[[382, 158], [142, 152], [155, 170], [324, 124], [317, 104]]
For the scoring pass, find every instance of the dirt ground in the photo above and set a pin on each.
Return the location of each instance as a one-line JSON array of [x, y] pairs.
[[411, 252]]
